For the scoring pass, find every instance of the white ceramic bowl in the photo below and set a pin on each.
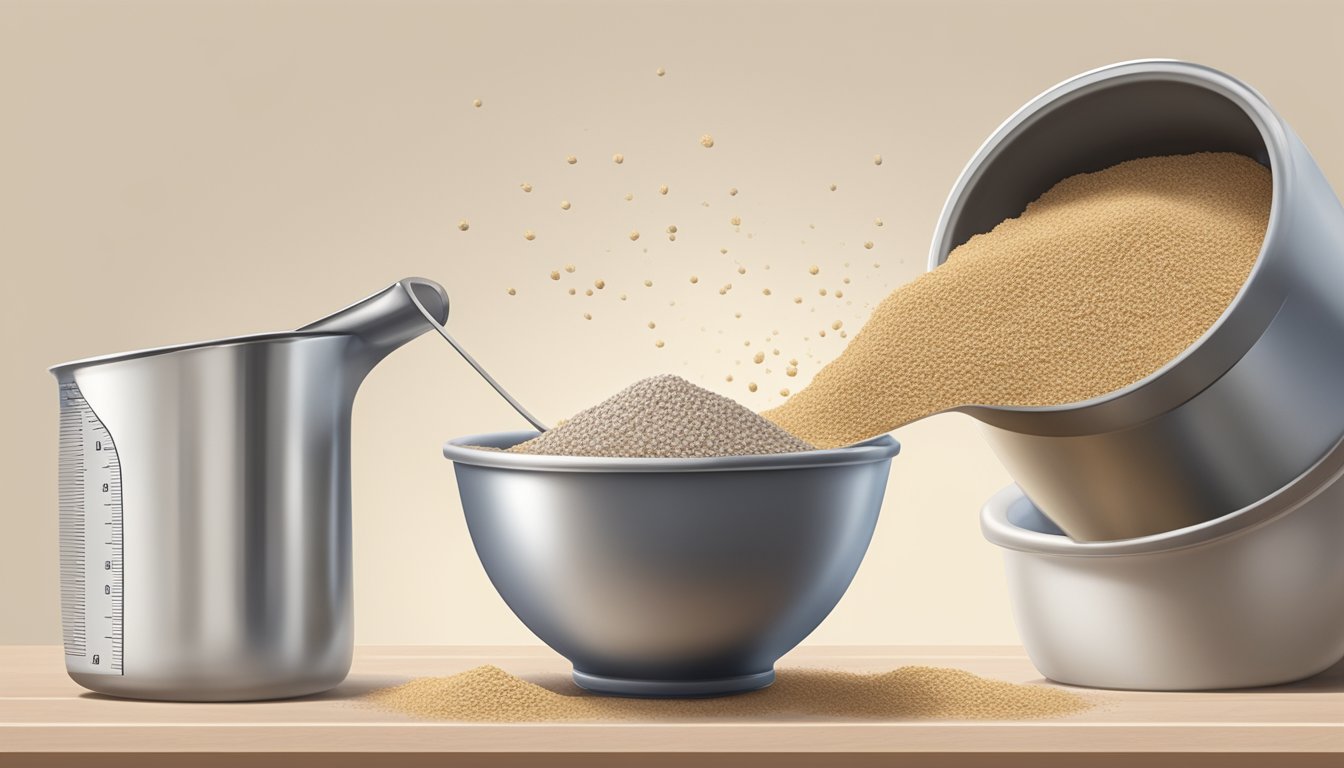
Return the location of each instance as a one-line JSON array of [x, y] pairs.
[[1249, 599]]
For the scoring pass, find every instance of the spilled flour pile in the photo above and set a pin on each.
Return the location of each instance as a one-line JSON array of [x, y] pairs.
[[489, 694], [1100, 282], [664, 417]]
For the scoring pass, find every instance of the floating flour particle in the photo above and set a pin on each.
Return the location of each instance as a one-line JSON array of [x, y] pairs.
[[751, 386], [832, 187], [822, 333], [814, 269], [587, 316], [836, 325], [735, 221], [877, 222], [845, 280], [588, 292], [839, 294], [658, 343], [821, 291], [784, 392], [706, 141], [672, 238], [672, 229], [868, 244], [512, 292], [694, 279], [599, 284], [529, 235], [728, 378], [634, 234], [555, 275], [525, 187], [765, 291], [759, 358], [741, 270], [797, 299], [791, 371], [660, 71], [618, 158], [571, 159], [629, 196], [662, 190], [564, 205], [652, 325], [877, 159], [732, 191], [477, 103], [647, 283], [464, 225], [723, 251], [572, 291], [570, 268], [623, 297]]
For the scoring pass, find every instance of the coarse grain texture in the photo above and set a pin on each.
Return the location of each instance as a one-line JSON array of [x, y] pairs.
[[490, 694], [664, 417], [1100, 282]]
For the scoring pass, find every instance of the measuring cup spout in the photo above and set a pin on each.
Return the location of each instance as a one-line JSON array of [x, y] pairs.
[[387, 319]]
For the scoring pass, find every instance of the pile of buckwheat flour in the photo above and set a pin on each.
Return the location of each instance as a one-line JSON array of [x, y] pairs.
[[664, 417], [489, 694]]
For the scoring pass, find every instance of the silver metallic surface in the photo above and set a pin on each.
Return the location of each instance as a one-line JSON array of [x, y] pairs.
[[671, 577], [1248, 406], [1253, 598], [235, 469]]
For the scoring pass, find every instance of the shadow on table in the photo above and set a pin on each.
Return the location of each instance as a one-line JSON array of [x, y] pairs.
[[352, 688], [1329, 681]]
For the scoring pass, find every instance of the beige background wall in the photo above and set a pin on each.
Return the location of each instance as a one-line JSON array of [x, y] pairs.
[[172, 172]]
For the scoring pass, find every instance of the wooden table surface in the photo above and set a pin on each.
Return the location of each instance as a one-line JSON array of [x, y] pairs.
[[45, 719]]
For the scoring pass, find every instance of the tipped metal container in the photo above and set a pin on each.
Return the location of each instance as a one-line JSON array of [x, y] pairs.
[[671, 577], [1247, 407], [1253, 598]]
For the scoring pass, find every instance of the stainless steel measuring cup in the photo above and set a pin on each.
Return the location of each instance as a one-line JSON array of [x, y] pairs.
[[205, 506], [1250, 405]]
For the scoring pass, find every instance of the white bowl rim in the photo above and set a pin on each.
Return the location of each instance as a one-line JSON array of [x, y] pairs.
[[462, 450]]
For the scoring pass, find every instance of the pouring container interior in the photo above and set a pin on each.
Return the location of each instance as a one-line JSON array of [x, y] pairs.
[[1249, 405], [671, 577]]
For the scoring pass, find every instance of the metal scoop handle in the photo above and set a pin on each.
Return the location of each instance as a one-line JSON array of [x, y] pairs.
[[436, 325]]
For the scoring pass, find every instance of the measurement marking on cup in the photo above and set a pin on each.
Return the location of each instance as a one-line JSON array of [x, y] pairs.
[[91, 568]]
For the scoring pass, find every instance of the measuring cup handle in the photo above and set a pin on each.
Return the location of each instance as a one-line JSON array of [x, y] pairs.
[[389, 318]]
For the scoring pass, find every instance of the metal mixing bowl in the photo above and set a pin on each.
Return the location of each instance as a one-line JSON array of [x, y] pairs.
[[671, 577], [1253, 598]]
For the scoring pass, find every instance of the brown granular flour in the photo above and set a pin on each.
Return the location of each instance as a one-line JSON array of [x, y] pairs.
[[664, 417], [1100, 282], [489, 694]]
